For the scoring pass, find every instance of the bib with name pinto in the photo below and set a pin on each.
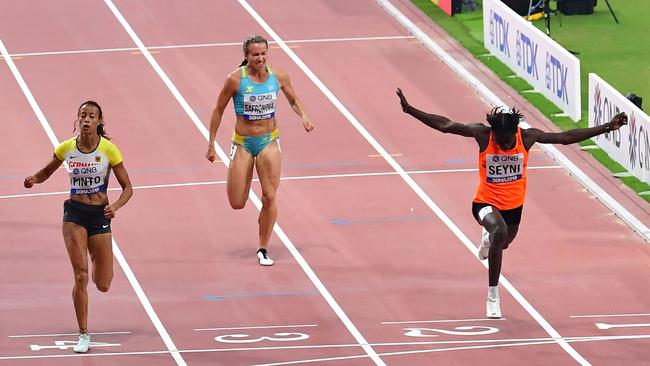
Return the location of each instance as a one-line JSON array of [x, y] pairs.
[[256, 101], [89, 172], [502, 175]]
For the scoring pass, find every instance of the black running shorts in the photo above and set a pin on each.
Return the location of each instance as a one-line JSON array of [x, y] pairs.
[[90, 217], [511, 217]]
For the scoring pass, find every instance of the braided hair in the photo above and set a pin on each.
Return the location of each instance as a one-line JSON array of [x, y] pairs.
[[254, 38], [502, 120]]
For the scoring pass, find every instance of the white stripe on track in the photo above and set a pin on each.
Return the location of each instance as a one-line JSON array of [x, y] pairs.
[[252, 196], [303, 177], [116, 250], [416, 188], [203, 45]]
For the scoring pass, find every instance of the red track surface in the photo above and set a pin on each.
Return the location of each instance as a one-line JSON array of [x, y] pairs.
[[378, 249]]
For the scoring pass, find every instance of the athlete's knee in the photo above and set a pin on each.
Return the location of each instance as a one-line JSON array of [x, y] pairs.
[[81, 278], [237, 203], [499, 235], [103, 286], [268, 199]]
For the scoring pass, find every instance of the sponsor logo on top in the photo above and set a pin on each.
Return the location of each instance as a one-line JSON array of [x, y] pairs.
[[556, 78], [527, 54], [604, 110], [499, 33]]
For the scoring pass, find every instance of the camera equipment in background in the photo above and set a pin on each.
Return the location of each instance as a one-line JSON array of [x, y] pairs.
[[458, 6], [519, 6], [637, 100], [571, 7]]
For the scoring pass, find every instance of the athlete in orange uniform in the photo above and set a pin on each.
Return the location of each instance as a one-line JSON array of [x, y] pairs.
[[503, 158]]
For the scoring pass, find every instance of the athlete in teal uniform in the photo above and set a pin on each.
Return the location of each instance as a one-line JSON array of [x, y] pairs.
[[254, 88]]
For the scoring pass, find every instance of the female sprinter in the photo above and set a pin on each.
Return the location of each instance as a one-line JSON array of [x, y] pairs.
[[87, 215], [254, 87]]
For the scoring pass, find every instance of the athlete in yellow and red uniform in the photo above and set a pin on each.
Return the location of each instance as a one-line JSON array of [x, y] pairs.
[[503, 158], [89, 172], [90, 157]]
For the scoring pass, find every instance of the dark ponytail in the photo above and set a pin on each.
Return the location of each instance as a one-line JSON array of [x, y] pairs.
[[254, 38], [100, 128]]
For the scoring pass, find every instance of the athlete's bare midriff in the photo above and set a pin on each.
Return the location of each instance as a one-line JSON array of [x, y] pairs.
[[99, 198], [254, 128]]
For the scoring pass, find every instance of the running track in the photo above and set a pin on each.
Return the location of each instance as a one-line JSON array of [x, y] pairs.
[[368, 271]]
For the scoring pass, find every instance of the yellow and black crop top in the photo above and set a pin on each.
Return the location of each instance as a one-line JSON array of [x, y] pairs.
[[89, 172]]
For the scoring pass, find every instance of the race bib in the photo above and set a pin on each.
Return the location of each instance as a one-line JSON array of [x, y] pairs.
[[86, 177], [259, 106], [504, 168]]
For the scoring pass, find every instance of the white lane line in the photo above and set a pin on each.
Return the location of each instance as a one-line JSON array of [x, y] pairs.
[[63, 334], [304, 177], [414, 186], [203, 45], [609, 326], [531, 342], [258, 327], [252, 196], [515, 341], [443, 321], [116, 250], [608, 315], [625, 215]]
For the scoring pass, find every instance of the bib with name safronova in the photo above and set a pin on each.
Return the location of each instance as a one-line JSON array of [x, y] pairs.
[[256, 101]]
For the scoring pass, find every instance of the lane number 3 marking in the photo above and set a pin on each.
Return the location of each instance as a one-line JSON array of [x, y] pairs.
[[246, 338]]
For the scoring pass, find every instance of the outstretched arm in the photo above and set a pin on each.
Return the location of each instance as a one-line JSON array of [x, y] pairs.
[[576, 134], [292, 98], [440, 123], [42, 175]]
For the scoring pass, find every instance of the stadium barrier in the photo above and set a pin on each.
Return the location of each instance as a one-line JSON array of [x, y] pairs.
[[528, 52], [630, 145]]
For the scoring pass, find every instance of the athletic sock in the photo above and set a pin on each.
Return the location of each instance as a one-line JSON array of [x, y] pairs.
[[493, 292]]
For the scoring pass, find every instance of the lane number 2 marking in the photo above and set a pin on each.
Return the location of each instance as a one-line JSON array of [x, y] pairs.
[[461, 331]]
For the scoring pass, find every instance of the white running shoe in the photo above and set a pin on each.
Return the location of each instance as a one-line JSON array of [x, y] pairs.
[[83, 344], [263, 257], [493, 308], [484, 248]]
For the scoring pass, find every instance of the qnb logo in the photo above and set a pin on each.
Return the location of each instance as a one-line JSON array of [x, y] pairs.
[[499, 33], [598, 107], [639, 148], [644, 150], [633, 140], [609, 110], [527, 54], [556, 78]]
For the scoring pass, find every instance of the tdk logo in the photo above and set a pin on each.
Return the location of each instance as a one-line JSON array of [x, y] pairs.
[[499, 33], [527, 55], [556, 78]]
